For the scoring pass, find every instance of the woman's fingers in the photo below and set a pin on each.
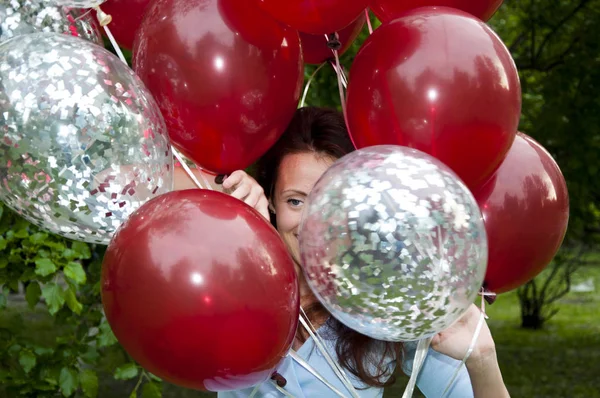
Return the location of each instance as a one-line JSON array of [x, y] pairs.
[[234, 179], [263, 207], [244, 188]]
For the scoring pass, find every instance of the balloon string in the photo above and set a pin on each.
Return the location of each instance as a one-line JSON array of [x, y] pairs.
[[187, 169], [482, 319], [104, 19], [420, 355], [342, 83], [308, 83], [311, 370], [254, 391], [281, 390], [369, 21], [332, 363]]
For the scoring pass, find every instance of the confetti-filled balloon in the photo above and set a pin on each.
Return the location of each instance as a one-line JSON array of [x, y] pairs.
[[20, 17], [82, 142], [393, 243]]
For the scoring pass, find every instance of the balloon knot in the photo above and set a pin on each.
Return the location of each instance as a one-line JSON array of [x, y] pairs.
[[103, 18], [334, 42]]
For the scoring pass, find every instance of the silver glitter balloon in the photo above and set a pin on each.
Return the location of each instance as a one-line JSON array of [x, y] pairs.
[[21, 17], [82, 142], [393, 243]]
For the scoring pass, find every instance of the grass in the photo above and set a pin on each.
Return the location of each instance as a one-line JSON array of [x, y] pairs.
[[562, 360]]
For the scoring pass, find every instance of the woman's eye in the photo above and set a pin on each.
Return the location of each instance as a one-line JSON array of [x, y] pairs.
[[294, 202]]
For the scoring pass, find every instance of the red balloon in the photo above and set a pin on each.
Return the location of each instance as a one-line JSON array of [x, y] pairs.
[[127, 17], [200, 290], [440, 81], [315, 17], [226, 76], [387, 10], [315, 49], [525, 206]]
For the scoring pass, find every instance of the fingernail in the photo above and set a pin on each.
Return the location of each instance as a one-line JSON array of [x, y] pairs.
[[220, 178]]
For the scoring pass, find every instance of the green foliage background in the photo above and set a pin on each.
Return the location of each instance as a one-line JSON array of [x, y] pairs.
[[556, 47]]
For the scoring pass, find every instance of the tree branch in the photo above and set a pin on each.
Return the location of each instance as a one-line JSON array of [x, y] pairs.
[[558, 26]]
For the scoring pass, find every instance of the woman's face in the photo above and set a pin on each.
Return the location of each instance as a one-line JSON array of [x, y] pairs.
[[297, 175]]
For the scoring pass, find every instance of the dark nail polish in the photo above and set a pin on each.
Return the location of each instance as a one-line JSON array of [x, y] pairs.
[[220, 178]]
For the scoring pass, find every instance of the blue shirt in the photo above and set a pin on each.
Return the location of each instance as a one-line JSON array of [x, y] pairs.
[[435, 375]]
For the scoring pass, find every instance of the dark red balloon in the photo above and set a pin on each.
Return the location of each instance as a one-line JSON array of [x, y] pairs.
[[200, 290], [525, 206], [315, 17], [127, 17], [441, 81], [315, 49], [387, 10], [226, 76]]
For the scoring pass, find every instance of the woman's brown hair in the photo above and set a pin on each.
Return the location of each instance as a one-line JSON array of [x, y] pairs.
[[323, 131]]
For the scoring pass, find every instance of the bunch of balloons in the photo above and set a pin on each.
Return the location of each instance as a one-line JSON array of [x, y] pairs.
[[442, 197]]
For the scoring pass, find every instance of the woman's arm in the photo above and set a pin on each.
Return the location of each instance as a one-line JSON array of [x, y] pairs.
[[482, 364], [486, 377]]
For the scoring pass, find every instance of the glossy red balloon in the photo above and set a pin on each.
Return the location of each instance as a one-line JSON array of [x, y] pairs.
[[200, 290], [315, 49], [387, 10], [315, 17], [127, 17], [525, 206], [227, 77], [441, 81]]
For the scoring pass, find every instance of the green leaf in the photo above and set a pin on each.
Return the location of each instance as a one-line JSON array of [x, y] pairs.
[[133, 394], [89, 383], [54, 296], [126, 372], [72, 301], [82, 249], [68, 381], [151, 390], [75, 272], [44, 267], [106, 336], [38, 237], [153, 377], [33, 293], [3, 243], [3, 262], [27, 360]]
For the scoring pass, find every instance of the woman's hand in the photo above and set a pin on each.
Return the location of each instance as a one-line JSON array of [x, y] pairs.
[[482, 364], [455, 341], [243, 187]]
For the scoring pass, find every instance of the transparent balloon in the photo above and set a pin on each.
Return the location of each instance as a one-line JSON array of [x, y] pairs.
[[393, 243], [21, 17], [82, 142]]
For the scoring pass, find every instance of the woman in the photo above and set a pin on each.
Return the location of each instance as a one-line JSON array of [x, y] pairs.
[[315, 138]]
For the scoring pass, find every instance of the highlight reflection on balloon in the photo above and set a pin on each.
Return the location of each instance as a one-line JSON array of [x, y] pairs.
[[393, 243], [82, 143]]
